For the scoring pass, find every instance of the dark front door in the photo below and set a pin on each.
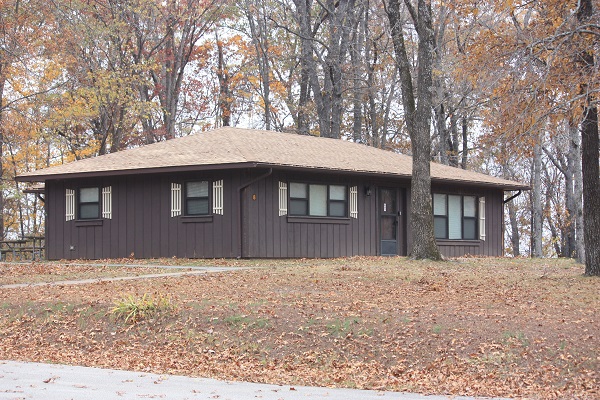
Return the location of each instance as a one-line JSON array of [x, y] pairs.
[[388, 212]]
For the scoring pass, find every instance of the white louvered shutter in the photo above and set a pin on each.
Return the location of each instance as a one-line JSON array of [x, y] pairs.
[[69, 205], [354, 202], [175, 199], [218, 197], [283, 199], [107, 202], [482, 218]]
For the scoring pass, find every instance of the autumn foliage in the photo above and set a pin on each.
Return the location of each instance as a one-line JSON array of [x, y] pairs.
[[481, 327]]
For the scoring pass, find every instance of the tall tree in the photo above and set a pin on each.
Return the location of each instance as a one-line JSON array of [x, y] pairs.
[[256, 14], [590, 154], [330, 53], [23, 40], [417, 111]]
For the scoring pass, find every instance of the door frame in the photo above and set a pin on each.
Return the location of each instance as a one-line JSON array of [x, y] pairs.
[[401, 233]]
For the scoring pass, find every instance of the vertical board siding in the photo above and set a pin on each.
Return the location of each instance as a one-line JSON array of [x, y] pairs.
[[272, 233], [141, 220], [136, 219]]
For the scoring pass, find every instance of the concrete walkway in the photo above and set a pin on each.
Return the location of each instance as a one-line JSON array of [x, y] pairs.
[[21, 380], [195, 271]]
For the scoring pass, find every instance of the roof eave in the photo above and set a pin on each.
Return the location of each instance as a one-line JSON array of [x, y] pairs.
[[186, 168], [506, 187], [121, 172]]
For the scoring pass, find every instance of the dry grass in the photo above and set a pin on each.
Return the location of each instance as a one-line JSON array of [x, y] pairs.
[[485, 327], [37, 272]]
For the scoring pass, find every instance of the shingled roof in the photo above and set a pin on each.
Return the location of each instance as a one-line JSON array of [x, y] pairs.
[[235, 147]]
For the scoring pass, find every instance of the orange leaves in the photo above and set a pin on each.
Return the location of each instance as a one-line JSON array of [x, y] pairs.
[[480, 327]]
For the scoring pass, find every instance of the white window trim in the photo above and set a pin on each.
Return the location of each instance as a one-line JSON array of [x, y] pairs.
[[218, 197], [107, 202], [175, 199], [353, 202], [69, 204], [283, 198]]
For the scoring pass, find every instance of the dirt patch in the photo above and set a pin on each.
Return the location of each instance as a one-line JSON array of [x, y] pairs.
[[484, 327]]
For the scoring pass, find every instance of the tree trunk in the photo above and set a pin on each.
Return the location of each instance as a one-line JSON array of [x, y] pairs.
[[321, 99], [260, 40], [589, 158], [372, 105], [515, 237], [2, 233], [536, 202], [465, 143], [442, 130], [591, 190], [454, 140], [305, 69], [224, 91], [357, 91], [570, 247], [577, 192], [340, 17], [418, 122]]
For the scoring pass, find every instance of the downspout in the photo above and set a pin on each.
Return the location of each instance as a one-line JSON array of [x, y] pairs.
[[240, 219], [512, 197]]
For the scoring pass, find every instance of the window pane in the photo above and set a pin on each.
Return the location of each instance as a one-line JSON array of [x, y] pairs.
[[469, 206], [337, 209], [318, 200], [388, 201], [469, 228], [337, 192], [440, 227], [197, 189], [89, 195], [87, 211], [439, 204], [454, 218], [298, 207], [298, 190], [197, 206]]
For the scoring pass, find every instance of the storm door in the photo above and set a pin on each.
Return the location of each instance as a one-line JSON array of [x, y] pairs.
[[388, 212]]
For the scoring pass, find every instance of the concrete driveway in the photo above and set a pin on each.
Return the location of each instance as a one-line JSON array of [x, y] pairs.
[[21, 380]]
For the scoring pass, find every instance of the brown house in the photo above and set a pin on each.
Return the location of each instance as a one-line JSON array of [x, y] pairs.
[[249, 193]]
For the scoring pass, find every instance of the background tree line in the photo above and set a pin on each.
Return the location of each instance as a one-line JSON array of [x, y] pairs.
[[513, 85]]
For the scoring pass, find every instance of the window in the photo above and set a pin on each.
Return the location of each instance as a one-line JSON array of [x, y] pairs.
[[196, 198], [89, 203], [455, 217], [318, 200]]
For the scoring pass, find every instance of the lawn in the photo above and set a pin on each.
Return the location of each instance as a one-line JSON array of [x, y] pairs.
[[484, 327], [37, 272]]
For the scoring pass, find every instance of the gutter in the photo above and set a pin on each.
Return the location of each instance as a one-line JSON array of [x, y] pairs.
[[512, 197], [240, 213]]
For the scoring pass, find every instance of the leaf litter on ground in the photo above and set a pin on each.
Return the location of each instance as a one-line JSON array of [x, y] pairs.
[[471, 326]]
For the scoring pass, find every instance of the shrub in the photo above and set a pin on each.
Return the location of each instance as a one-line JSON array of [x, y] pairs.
[[132, 309]]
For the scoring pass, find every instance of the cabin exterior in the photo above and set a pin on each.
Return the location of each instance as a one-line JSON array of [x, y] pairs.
[[259, 194]]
